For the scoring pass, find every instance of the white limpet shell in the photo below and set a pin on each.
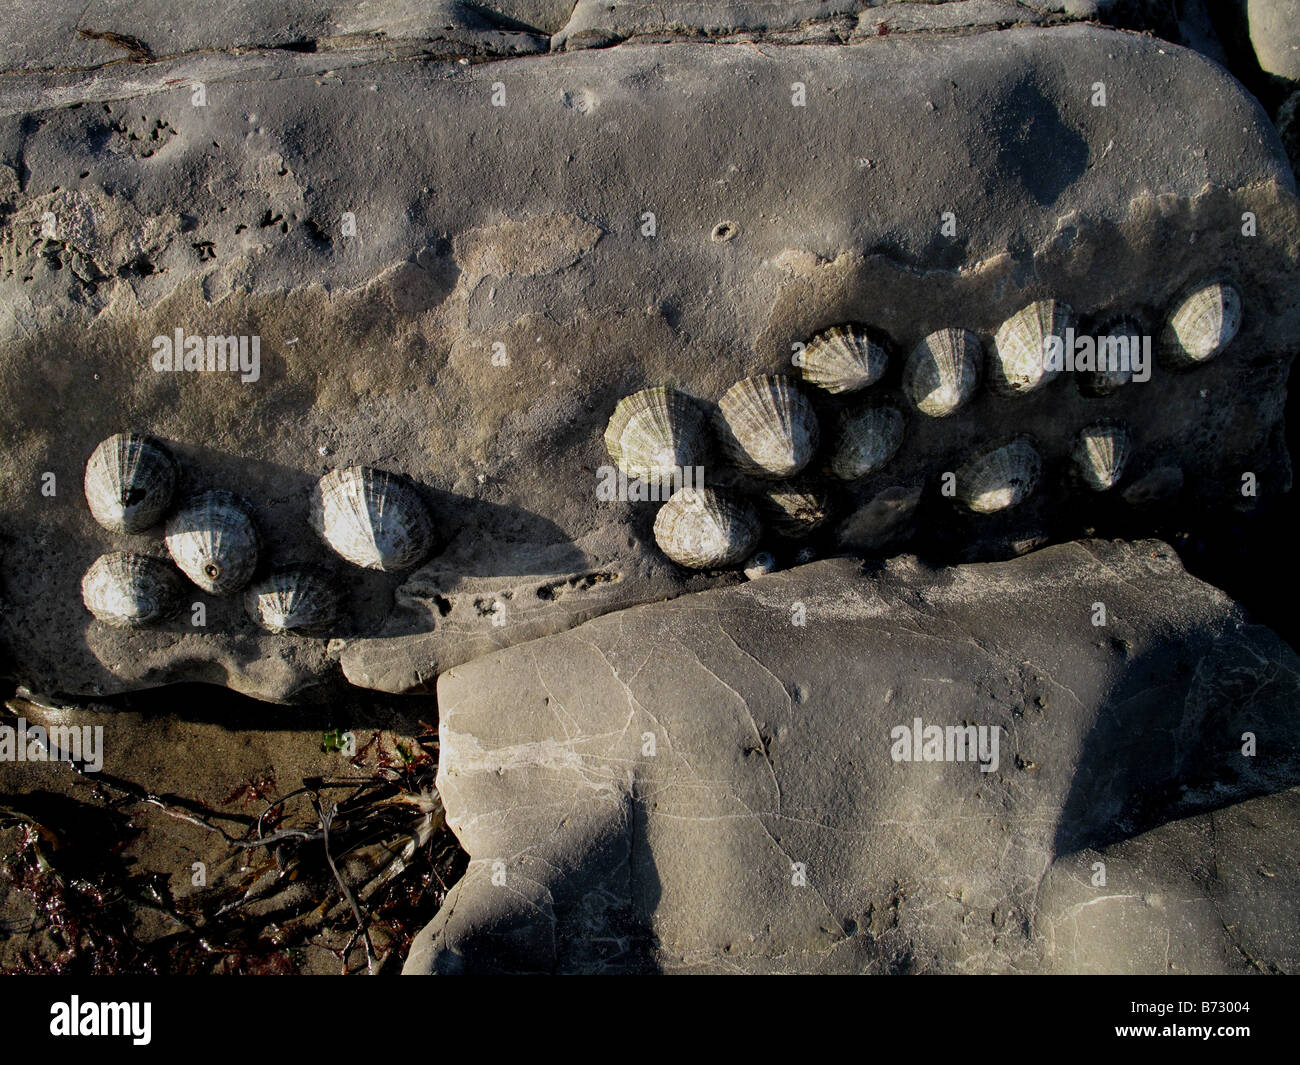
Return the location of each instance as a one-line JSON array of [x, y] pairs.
[[704, 528], [999, 478], [296, 599], [1100, 454], [372, 518], [942, 372], [767, 427], [1202, 325], [129, 483], [1019, 361], [656, 432], [865, 440], [127, 590], [214, 542], [843, 358]]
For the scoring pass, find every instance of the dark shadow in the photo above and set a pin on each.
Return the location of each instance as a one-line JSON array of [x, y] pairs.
[[352, 710], [1167, 742], [592, 915], [1035, 146]]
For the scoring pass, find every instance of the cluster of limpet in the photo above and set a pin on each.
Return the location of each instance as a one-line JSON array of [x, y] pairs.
[[767, 427], [371, 518]]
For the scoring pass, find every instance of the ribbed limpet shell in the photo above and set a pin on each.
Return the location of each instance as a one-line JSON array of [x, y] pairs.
[[1018, 364], [704, 528], [865, 440], [214, 542], [843, 359], [767, 426], [128, 590], [1100, 454], [942, 372], [130, 480], [372, 518], [1202, 325], [656, 432], [294, 599], [999, 478]]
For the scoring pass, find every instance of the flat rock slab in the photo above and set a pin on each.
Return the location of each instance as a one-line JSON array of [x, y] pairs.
[[1208, 894], [717, 783], [499, 294]]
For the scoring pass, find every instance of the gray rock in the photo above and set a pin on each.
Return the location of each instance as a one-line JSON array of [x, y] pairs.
[[516, 231], [598, 23], [1275, 35], [67, 35], [709, 785], [1209, 894]]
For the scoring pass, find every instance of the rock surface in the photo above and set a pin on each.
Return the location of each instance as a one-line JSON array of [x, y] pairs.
[[1275, 36], [499, 296], [709, 785], [598, 23], [1208, 894]]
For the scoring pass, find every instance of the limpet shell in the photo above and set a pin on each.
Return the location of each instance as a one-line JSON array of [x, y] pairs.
[[999, 478], [843, 359], [214, 542], [294, 599], [129, 483], [704, 528], [1018, 365], [372, 518], [767, 426], [796, 509], [1100, 454], [1202, 325], [942, 372], [128, 590], [865, 440], [656, 432]]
